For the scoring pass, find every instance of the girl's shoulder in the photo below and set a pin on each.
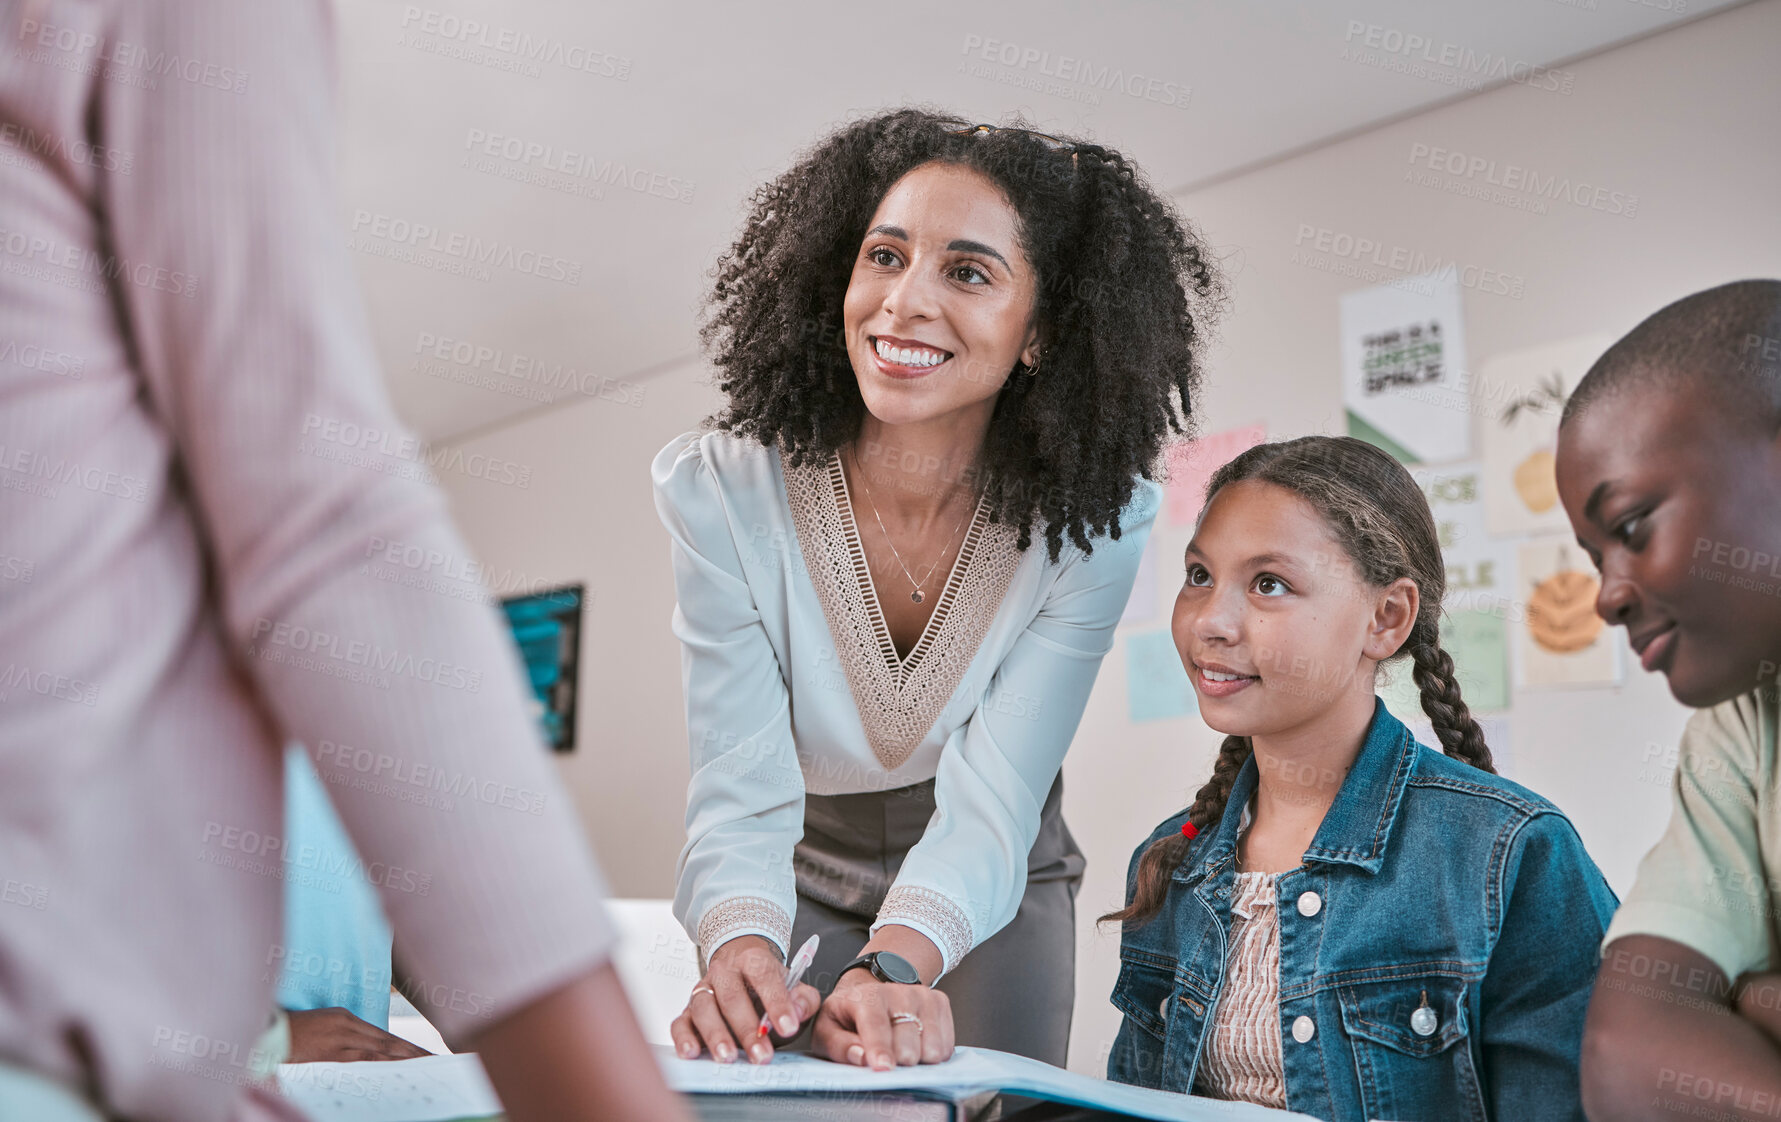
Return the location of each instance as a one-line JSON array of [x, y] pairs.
[[1440, 775]]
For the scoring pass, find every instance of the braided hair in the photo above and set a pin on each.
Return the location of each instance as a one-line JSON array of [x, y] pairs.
[[1123, 299], [1383, 522]]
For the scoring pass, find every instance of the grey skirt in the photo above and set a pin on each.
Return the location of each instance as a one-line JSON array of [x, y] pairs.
[[1016, 991]]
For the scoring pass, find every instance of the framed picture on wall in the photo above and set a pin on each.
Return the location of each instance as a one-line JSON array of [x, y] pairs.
[[547, 628]]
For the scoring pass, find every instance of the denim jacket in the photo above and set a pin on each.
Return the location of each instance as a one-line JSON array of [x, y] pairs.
[[1427, 877]]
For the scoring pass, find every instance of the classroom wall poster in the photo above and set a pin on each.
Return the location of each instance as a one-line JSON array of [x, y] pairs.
[[1560, 640], [1403, 362], [1519, 397], [1192, 462]]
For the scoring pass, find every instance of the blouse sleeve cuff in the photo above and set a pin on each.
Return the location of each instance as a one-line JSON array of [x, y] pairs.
[[744, 915], [932, 914]]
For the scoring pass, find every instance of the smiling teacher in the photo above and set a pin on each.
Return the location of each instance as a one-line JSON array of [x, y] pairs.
[[952, 354]]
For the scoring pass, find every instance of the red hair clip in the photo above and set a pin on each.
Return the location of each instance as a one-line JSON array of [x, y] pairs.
[[1189, 831]]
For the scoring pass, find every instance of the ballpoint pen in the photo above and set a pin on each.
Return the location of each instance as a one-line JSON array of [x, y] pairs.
[[800, 963]]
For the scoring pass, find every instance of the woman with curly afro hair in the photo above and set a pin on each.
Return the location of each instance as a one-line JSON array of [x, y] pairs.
[[952, 355]]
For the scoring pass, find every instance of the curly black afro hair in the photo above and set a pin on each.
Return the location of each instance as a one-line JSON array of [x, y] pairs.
[[1124, 293]]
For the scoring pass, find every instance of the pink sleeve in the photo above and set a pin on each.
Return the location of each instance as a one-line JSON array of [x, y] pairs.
[[256, 353]]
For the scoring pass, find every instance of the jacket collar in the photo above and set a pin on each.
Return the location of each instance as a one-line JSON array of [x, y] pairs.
[[1358, 824]]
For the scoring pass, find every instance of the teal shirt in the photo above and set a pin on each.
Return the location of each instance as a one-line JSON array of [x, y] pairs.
[[337, 942]]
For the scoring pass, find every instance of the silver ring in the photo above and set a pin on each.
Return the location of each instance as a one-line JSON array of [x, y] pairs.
[[699, 989], [906, 1019]]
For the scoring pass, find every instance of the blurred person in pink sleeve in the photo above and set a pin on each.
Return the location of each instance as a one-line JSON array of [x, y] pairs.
[[189, 512]]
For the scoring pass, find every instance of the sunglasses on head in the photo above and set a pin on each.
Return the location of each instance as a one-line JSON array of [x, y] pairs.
[[1050, 142]]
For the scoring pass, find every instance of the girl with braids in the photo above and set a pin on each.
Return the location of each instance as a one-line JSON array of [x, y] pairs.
[[951, 353], [1345, 922]]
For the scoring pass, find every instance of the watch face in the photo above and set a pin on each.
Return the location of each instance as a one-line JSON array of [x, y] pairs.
[[896, 968]]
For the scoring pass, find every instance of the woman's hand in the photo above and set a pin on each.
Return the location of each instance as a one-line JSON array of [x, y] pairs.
[[320, 1035], [744, 978], [878, 1024]]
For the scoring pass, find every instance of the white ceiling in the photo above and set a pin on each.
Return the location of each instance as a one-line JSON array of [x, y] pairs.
[[722, 95]]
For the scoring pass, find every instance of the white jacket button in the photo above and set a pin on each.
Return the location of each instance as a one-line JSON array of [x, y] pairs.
[[1422, 1021], [1310, 903], [1303, 1029]]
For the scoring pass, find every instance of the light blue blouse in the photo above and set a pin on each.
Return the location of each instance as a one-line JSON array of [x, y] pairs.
[[771, 700], [337, 941]]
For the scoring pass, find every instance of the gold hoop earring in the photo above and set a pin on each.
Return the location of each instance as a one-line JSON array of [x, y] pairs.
[[1033, 370]]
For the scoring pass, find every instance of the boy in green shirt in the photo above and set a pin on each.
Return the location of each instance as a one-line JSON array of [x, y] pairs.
[[1669, 466]]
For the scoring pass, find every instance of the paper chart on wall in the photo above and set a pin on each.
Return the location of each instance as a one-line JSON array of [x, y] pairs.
[[1559, 638], [1403, 362], [1519, 397], [1478, 643], [1480, 569], [1192, 462], [1480, 595]]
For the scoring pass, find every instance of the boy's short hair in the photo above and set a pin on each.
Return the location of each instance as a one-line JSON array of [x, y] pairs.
[[1724, 342]]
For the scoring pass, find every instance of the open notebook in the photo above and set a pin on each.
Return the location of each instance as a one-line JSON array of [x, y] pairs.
[[446, 1088]]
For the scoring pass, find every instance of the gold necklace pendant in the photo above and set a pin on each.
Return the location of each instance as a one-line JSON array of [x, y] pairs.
[[917, 595]]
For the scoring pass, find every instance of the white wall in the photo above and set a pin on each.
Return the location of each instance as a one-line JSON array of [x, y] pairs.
[[1685, 120]]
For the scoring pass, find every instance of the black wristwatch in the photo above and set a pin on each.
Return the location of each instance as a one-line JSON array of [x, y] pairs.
[[886, 966]]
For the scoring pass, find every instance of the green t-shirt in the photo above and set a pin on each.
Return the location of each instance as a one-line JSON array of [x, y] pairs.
[[1713, 881]]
